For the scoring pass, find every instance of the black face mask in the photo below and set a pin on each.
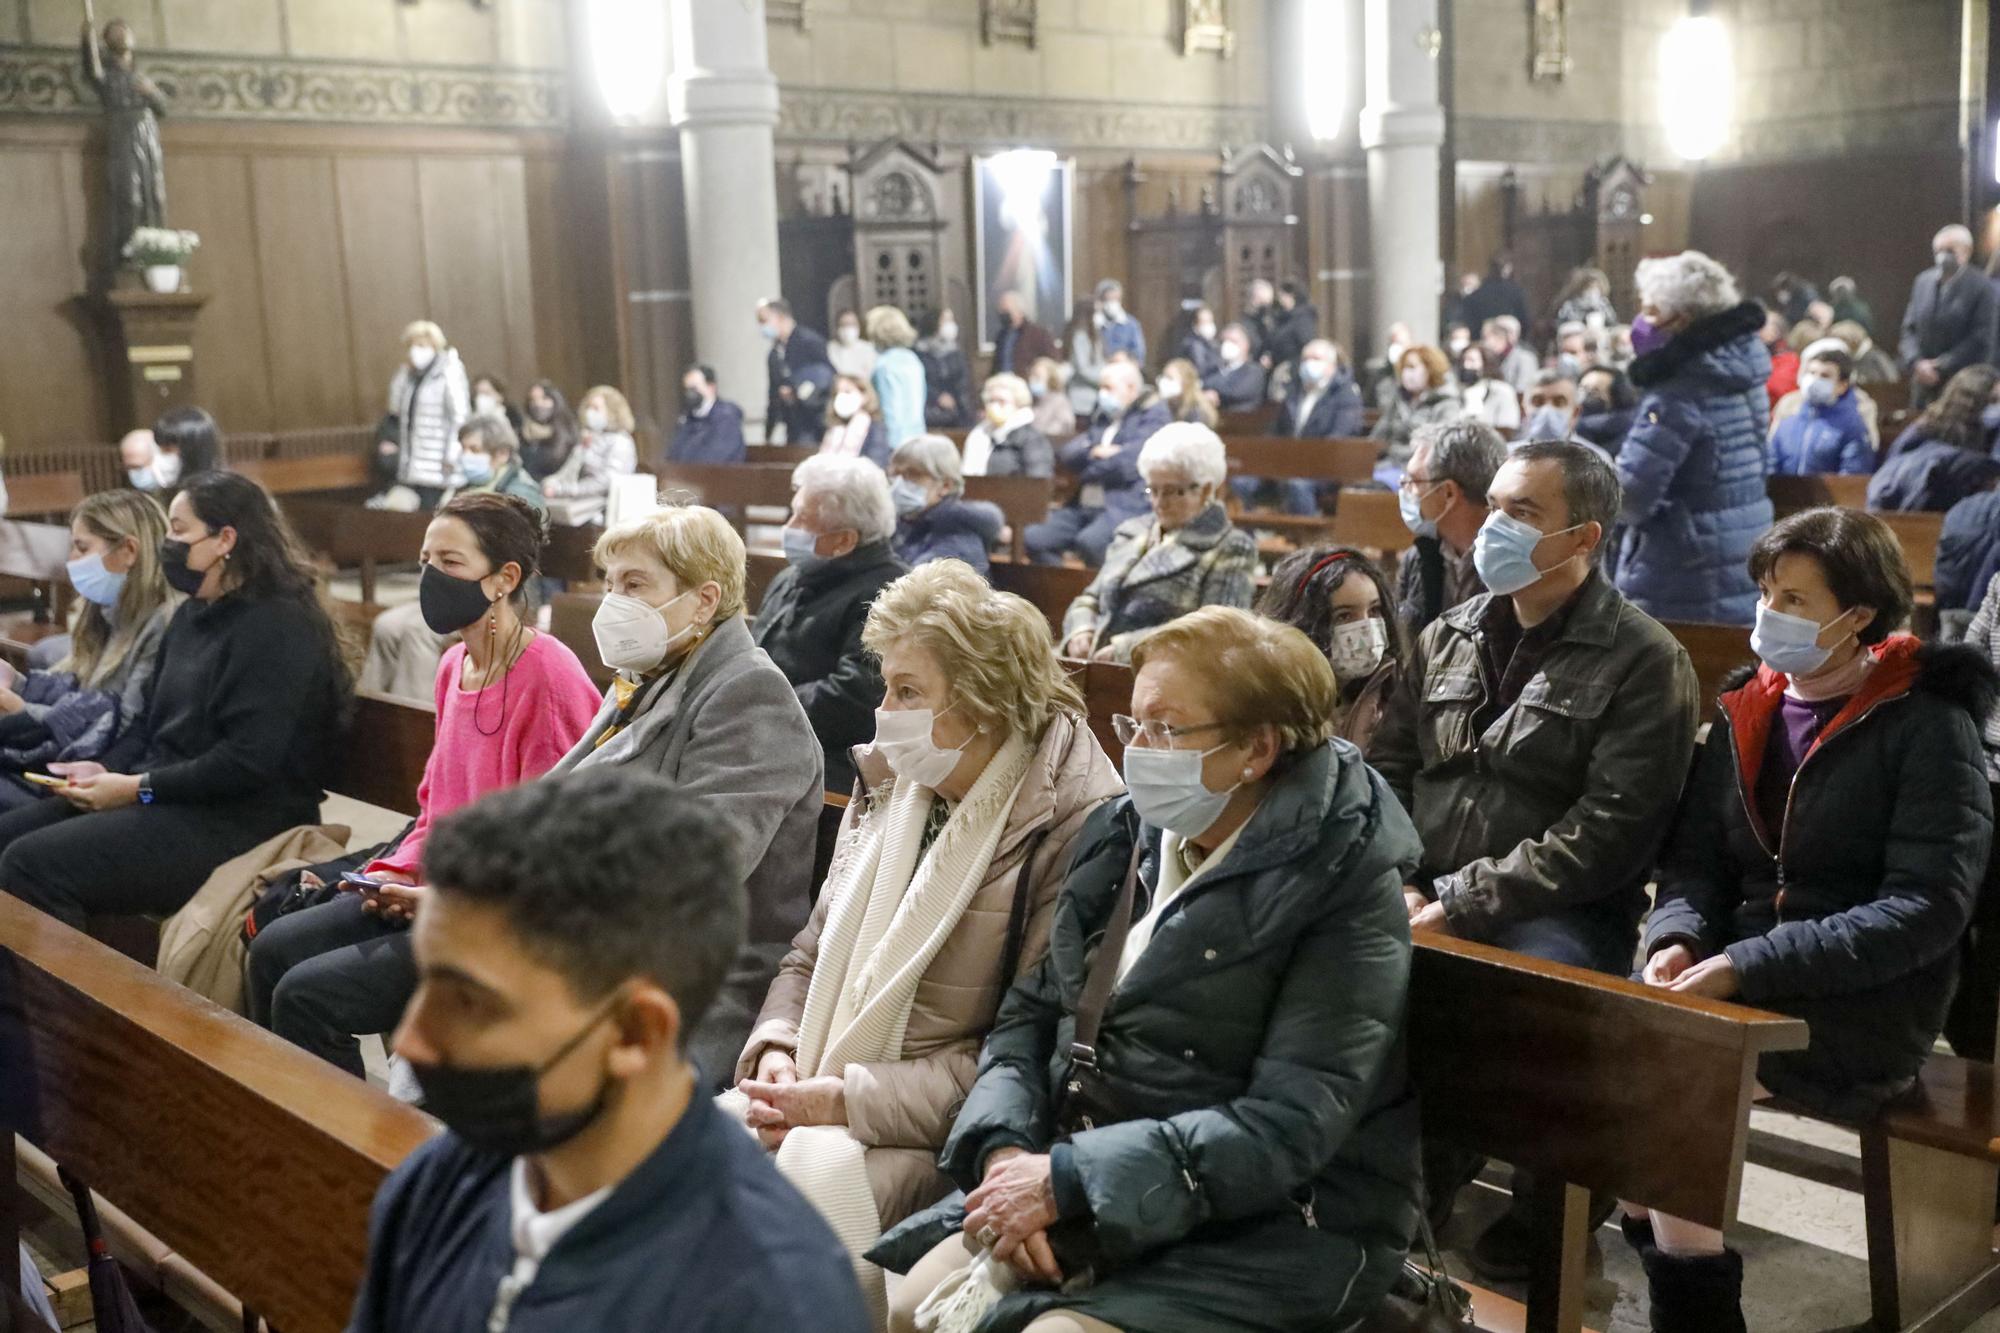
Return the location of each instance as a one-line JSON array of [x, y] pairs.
[[1593, 406], [174, 567], [498, 1109], [1467, 375], [450, 604], [691, 401]]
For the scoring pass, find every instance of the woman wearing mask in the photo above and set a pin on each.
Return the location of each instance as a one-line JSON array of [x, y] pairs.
[[948, 380], [1253, 862], [1586, 299], [1179, 387], [247, 700], [1086, 358], [851, 354], [1830, 847], [489, 460], [92, 704], [548, 430], [1048, 386], [969, 803], [1199, 344], [1183, 555], [1339, 599], [898, 381], [700, 705], [853, 423], [430, 399], [605, 451], [510, 703], [489, 398], [1422, 398], [934, 520], [1946, 454], [1006, 442], [1487, 398]]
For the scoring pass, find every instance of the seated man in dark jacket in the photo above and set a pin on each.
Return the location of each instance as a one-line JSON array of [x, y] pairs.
[[1443, 501], [1539, 737], [837, 557], [575, 930], [1104, 459], [1237, 385], [1322, 404], [710, 430]]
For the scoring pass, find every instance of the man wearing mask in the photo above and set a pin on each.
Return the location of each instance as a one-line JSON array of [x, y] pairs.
[[147, 466], [710, 429], [1443, 500], [1539, 739], [1297, 324], [576, 929], [800, 373], [1948, 324], [1260, 314], [1116, 329], [1104, 458], [1019, 342], [1501, 337], [1322, 404], [1237, 383], [1551, 406]]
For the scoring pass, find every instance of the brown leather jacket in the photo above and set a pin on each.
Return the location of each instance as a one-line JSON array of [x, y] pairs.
[[1561, 802]]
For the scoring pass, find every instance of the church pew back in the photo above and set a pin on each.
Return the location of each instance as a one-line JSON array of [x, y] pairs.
[[1312, 460], [1792, 494], [1715, 651]]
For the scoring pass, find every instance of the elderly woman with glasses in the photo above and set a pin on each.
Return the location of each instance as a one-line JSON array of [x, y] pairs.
[[1184, 555], [1229, 1139], [934, 520]]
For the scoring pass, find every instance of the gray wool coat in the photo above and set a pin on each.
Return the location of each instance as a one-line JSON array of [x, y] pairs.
[[727, 730]]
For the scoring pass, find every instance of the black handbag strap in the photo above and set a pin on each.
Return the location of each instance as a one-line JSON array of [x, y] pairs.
[[1096, 995], [1017, 913]]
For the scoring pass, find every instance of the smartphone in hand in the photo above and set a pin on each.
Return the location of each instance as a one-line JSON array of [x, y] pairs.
[[368, 888]]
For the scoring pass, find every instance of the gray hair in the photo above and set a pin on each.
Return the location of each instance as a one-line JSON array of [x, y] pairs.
[[1953, 233], [1689, 283], [934, 456], [1506, 324], [1013, 386], [1186, 447], [1467, 452], [850, 493], [1108, 286], [492, 432], [1590, 484]]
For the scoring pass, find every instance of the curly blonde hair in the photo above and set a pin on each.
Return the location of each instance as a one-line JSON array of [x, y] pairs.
[[994, 647]]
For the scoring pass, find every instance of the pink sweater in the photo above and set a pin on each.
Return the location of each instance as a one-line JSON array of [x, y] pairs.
[[550, 704]]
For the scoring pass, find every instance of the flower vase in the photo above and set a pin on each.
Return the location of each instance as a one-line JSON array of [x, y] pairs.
[[163, 278]]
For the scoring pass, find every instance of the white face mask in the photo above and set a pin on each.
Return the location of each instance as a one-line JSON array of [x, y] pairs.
[[486, 404], [903, 736], [166, 468], [1204, 330], [632, 635], [947, 332], [849, 335], [1169, 387], [846, 403], [596, 418], [1233, 354], [1358, 648], [1168, 791], [422, 355]]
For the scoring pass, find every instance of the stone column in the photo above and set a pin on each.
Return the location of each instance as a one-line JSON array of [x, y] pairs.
[[1402, 127], [723, 99]]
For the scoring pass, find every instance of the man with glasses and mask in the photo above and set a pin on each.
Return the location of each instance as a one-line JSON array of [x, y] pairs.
[[577, 929], [1539, 738], [1443, 499], [1948, 324]]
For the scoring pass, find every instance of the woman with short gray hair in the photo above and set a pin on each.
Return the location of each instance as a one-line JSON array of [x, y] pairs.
[[1182, 556], [934, 519], [1693, 464]]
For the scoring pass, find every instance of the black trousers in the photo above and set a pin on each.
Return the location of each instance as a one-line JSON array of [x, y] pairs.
[[321, 976], [143, 859]]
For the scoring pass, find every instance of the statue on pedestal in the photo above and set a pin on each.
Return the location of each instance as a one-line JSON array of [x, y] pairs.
[[134, 166]]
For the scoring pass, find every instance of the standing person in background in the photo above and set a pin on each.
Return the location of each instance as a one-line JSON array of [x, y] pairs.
[[711, 427], [1018, 342], [947, 378], [1260, 314], [1086, 359], [430, 399], [1048, 387], [1237, 384], [489, 398], [1296, 325], [548, 431], [1179, 388], [899, 380], [1006, 443], [582, 486], [1498, 294], [1117, 330], [1793, 297], [1199, 345], [850, 353], [1848, 305], [799, 372], [1586, 300], [1948, 324], [854, 424]]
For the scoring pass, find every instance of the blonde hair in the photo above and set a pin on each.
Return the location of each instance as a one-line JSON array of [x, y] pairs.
[[1013, 386], [1256, 672], [615, 405], [96, 646], [694, 544], [886, 326], [871, 406], [994, 647], [423, 331]]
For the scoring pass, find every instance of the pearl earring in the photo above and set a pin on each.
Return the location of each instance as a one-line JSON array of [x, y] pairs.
[[1246, 775]]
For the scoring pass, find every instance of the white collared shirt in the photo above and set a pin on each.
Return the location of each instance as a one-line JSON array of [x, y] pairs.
[[535, 1233], [1177, 871]]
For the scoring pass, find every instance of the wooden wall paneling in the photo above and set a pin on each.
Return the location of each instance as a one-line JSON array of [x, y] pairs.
[[653, 280], [382, 258], [47, 345], [1099, 229], [304, 296], [515, 273], [209, 192], [461, 237]]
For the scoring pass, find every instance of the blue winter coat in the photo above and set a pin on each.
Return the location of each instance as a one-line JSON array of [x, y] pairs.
[[1693, 470], [714, 438], [1817, 440], [1968, 553], [1926, 474], [951, 529]]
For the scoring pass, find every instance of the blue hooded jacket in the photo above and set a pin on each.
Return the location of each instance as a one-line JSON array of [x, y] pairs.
[[1817, 440], [1693, 470]]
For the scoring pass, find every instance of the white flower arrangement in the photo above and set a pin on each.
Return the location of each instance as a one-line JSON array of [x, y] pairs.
[[151, 246]]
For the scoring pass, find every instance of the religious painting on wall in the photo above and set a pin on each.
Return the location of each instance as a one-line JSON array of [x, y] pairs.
[[1023, 203]]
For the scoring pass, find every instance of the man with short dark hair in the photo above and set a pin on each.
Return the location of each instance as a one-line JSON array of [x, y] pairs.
[[711, 428], [1443, 499], [800, 372], [1824, 432], [1539, 737], [577, 929], [1549, 405]]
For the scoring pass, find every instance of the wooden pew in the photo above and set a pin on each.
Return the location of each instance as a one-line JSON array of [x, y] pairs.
[[1253, 421], [382, 757], [1793, 494], [1282, 457], [1715, 650], [731, 485], [250, 1160], [308, 473], [1050, 587], [1024, 500], [1918, 535], [44, 494], [36, 554]]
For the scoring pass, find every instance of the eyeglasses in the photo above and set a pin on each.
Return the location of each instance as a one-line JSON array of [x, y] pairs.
[[1159, 736], [1171, 493], [1543, 400], [1413, 483]]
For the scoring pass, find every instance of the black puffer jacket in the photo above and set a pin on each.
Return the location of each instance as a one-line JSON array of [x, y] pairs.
[[1259, 1042], [1849, 915]]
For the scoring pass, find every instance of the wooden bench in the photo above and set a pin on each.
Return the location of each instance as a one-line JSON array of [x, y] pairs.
[[1715, 651], [44, 494], [308, 473], [1281, 457], [1794, 494], [1917, 533], [37, 554]]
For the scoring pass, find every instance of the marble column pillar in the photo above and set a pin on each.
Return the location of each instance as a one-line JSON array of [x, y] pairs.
[[1402, 128], [723, 99]]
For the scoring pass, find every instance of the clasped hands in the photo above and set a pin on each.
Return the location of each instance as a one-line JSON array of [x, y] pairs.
[[781, 1101], [1674, 968], [1012, 1210]]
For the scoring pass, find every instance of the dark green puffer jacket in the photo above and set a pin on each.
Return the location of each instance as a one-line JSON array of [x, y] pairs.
[[1260, 1040]]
